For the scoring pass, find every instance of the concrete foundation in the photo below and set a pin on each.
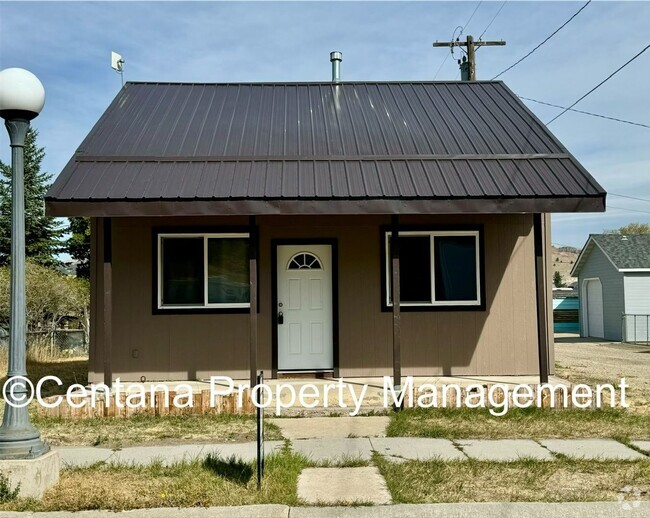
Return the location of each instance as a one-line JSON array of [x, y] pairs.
[[35, 476]]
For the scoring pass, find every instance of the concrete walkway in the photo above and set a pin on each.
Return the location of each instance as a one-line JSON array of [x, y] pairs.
[[484, 510], [397, 449]]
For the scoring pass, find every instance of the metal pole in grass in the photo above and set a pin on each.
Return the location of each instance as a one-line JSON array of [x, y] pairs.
[[260, 433], [21, 99]]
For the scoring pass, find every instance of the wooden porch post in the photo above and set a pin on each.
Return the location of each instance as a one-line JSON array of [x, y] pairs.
[[108, 300], [394, 256], [540, 288], [252, 266]]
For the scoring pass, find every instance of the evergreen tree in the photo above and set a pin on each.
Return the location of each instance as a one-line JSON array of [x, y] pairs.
[[42, 233], [78, 245], [558, 281]]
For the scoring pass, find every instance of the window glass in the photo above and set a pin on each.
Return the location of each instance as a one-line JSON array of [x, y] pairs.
[[182, 271], [228, 272], [304, 261], [455, 268], [414, 268]]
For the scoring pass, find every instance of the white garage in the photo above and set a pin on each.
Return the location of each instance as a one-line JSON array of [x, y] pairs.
[[613, 272]]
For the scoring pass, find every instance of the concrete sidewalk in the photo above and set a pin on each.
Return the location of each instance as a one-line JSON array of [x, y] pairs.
[[397, 449], [484, 510]]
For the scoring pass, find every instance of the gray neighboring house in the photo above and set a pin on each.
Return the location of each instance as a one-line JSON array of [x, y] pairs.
[[613, 272]]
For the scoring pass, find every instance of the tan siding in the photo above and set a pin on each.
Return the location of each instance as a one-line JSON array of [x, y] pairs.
[[500, 340]]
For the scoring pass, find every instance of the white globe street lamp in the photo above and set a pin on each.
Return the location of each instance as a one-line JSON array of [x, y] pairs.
[[21, 99]]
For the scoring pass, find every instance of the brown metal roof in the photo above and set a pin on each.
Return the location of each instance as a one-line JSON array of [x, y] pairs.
[[394, 147]]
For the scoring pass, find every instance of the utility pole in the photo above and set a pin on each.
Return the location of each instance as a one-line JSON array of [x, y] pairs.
[[468, 65]]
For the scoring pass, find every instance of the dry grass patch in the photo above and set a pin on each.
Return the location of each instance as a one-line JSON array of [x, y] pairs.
[[582, 361], [562, 480], [464, 423], [212, 481], [42, 361], [149, 429]]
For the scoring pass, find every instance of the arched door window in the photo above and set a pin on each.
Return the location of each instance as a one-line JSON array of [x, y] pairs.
[[304, 261]]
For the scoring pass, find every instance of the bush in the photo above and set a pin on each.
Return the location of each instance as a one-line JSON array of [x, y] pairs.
[[51, 298]]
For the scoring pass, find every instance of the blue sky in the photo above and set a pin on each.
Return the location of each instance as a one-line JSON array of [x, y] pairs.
[[67, 45]]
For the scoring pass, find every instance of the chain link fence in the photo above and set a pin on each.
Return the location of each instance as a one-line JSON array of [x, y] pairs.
[[636, 329], [71, 342]]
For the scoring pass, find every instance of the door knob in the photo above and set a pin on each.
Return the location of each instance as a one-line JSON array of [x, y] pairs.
[[280, 318]]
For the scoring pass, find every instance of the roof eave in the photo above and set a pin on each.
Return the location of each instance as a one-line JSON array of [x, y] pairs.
[[320, 206]]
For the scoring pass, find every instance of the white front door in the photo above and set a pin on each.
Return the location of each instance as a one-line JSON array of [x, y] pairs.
[[304, 307], [595, 324]]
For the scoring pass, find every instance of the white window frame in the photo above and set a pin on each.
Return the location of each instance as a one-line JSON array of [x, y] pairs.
[[206, 304], [432, 235]]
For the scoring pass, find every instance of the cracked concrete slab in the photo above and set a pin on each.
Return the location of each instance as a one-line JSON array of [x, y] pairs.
[[142, 455], [593, 449], [504, 450], [399, 449], [343, 485]]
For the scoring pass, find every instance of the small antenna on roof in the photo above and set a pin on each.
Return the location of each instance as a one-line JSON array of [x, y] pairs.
[[117, 63]]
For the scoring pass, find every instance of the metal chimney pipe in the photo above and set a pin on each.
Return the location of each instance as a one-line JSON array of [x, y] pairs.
[[336, 57]]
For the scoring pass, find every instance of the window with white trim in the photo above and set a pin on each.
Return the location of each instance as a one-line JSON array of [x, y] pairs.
[[203, 271], [437, 268]]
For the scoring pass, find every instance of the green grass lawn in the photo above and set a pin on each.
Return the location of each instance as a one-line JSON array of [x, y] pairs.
[[518, 423], [561, 480]]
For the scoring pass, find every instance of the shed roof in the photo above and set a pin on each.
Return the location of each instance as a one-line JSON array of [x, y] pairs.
[[627, 253], [260, 148]]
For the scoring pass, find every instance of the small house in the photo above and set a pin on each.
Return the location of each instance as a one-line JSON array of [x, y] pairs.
[[346, 229], [613, 273]]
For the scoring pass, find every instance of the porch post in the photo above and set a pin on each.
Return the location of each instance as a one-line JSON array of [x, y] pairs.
[[394, 256], [108, 300], [252, 266], [540, 288]]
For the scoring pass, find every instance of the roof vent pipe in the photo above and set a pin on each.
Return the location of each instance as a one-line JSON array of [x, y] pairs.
[[336, 57]]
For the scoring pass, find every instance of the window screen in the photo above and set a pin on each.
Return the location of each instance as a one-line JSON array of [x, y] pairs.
[[228, 272], [455, 268]]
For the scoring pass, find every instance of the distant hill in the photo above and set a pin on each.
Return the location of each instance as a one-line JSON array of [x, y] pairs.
[[563, 259]]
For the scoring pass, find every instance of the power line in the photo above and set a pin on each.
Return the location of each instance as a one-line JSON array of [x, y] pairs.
[[462, 28], [542, 43], [628, 197], [451, 50], [629, 210], [600, 84], [585, 112], [493, 18], [470, 18]]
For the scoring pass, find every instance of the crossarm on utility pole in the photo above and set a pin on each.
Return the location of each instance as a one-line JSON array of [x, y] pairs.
[[471, 46]]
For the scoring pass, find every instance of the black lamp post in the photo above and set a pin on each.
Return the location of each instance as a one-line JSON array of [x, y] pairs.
[[21, 99]]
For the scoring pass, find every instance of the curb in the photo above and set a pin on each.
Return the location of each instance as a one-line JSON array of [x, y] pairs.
[[461, 510]]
